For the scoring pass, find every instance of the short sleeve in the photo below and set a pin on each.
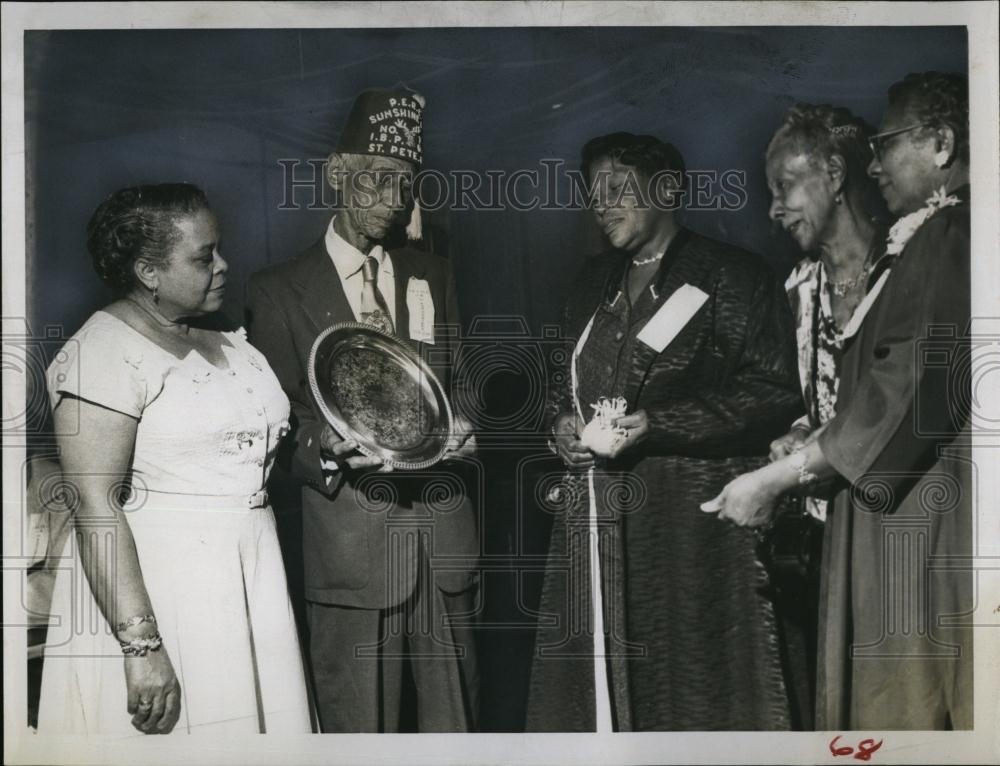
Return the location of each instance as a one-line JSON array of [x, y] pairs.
[[99, 365]]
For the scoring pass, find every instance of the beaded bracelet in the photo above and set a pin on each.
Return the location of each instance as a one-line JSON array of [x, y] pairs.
[[138, 647], [131, 622]]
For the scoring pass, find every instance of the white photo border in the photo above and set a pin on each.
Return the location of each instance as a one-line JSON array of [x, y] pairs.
[[979, 746]]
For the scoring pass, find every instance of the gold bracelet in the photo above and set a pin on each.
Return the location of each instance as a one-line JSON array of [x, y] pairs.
[[138, 647], [131, 622]]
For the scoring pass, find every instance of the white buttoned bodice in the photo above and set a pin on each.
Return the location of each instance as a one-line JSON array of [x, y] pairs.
[[202, 429]]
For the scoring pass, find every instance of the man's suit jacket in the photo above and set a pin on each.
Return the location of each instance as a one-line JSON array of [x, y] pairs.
[[360, 549]]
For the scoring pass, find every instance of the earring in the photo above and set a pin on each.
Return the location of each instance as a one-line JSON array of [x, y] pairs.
[[837, 198], [941, 158], [156, 298]]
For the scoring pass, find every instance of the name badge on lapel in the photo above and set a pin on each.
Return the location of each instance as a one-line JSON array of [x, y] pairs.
[[672, 317], [420, 306]]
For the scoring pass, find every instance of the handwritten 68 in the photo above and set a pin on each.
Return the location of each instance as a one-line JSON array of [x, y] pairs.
[[864, 752]]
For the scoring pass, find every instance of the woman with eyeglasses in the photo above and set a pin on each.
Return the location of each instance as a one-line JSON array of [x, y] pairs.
[[895, 648]]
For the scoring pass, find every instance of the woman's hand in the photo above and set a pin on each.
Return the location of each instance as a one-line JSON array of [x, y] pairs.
[[96, 446], [636, 428], [154, 695], [566, 442], [791, 442], [748, 500]]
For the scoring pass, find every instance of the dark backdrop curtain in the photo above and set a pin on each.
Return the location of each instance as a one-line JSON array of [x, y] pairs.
[[223, 108]]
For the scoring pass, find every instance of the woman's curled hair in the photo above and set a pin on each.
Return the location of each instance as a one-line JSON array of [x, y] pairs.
[[820, 131], [937, 100], [138, 222], [647, 154]]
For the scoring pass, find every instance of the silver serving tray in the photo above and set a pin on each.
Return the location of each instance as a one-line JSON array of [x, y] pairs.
[[375, 389]]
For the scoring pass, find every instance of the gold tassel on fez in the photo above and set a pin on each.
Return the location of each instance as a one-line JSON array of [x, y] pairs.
[[415, 228]]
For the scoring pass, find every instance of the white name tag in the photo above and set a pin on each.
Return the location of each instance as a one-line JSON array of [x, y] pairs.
[[420, 306], [672, 317]]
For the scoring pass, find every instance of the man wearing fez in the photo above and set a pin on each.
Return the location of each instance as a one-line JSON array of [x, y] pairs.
[[375, 602]]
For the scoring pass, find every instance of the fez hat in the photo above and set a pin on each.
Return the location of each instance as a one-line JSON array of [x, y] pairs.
[[385, 123]]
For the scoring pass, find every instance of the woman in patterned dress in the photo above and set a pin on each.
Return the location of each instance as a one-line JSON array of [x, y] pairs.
[[816, 165], [167, 431], [895, 638], [816, 170]]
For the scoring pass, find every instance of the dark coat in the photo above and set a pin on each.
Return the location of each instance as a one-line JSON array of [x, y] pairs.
[[359, 549], [693, 642], [895, 643]]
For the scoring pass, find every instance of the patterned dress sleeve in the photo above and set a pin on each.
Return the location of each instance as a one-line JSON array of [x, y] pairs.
[[800, 286], [100, 366]]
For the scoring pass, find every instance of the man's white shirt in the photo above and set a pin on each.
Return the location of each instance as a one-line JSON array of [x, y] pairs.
[[348, 260]]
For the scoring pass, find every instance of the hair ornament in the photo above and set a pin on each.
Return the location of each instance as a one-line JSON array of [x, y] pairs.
[[848, 131]]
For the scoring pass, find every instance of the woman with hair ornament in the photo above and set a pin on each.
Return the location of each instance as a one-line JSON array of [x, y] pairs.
[[895, 639]]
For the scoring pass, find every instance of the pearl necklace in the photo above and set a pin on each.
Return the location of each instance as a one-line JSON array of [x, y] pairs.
[[644, 261]]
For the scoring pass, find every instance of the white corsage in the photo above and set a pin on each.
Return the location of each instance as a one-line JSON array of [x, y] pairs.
[[600, 435], [907, 226]]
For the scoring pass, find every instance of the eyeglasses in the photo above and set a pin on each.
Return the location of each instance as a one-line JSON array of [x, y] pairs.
[[877, 142]]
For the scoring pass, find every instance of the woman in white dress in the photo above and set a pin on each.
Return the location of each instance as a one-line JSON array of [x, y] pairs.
[[167, 432]]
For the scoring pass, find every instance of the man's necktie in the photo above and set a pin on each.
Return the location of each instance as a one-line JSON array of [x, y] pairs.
[[374, 310]]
